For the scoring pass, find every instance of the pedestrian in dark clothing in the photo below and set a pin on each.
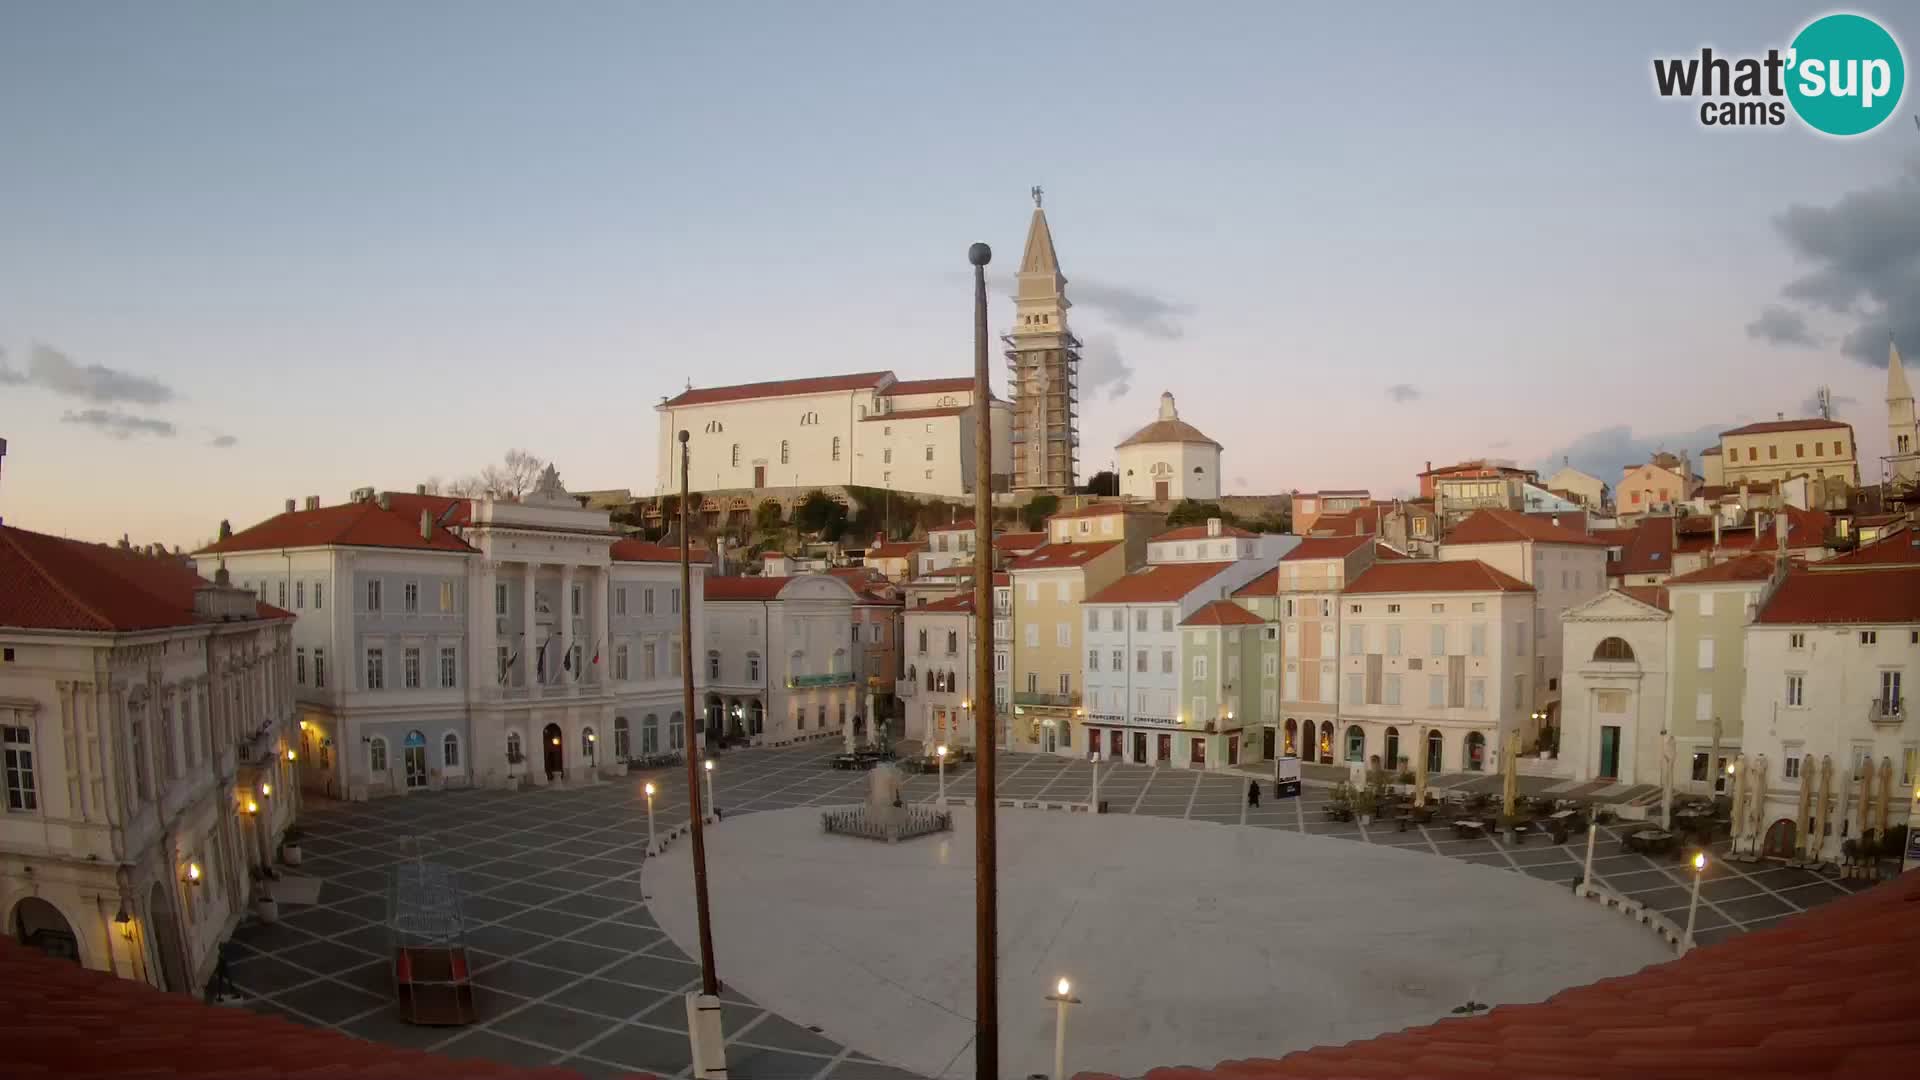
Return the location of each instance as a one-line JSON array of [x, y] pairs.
[[1253, 793]]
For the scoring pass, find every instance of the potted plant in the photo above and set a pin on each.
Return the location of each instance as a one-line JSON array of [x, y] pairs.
[[290, 846], [264, 905], [1510, 824], [1364, 804]]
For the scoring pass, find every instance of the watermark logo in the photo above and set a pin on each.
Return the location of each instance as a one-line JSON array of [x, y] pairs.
[[1842, 75]]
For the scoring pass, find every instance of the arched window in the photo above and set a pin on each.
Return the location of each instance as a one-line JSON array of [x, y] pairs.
[[622, 748], [377, 755], [676, 731], [587, 743], [1356, 744], [650, 734], [714, 427], [1613, 648], [784, 449], [1476, 751], [753, 667], [450, 750], [1434, 758], [736, 455], [929, 680], [513, 747], [757, 716], [1326, 742], [949, 402], [913, 673], [1291, 749]]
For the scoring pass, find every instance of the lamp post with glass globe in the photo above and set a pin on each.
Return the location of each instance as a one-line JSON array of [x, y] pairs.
[[649, 791], [710, 803], [1693, 904], [1062, 997], [940, 758]]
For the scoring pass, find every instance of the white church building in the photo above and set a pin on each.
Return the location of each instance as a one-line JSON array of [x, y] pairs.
[[1169, 460]]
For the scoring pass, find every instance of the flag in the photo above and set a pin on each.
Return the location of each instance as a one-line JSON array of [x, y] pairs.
[[596, 652], [506, 670]]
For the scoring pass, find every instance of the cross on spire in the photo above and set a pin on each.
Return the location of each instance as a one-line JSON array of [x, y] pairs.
[[1038, 192]]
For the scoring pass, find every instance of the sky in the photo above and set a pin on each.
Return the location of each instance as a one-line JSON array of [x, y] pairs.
[[252, 251]]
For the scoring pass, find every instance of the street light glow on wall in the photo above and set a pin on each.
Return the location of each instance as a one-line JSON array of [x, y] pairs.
[[291, 756], [193, 872]]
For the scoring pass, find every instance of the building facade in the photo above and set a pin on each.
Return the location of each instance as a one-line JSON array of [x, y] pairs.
[[938, 686], [1901, 468], [779, 659], [1710, 609], [151, 756], [1614, 681], [1777, 450], [1168, 460]]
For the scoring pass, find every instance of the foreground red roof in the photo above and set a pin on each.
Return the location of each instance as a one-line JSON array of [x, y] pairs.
[[898, 549], [960, 602], [1510, 526], [1902, 547], [1432, 575], [1749, 567], [1646, 548], [1158, 583], [51, 583], [713, 395], [354, 524], [1888, 594], [1267, 584], [1650, 595], [1827, 993], [1019, 541]]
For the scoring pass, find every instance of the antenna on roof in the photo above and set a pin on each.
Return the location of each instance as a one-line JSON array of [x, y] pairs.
[[1824, 397]]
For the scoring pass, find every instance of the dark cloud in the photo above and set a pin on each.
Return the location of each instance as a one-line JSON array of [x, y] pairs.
[[1131, 309], [1782, 326], [1604, 453], [1401, 393], [1864, 250], [222, 441], [119, 425], [1102, 366], [52, 369]]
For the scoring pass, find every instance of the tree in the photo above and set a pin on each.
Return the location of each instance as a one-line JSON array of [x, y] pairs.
[[768, 518], [1037, 510], [226, 530], [819, 514], [1189, 512], [515, 476], [1104, 482]]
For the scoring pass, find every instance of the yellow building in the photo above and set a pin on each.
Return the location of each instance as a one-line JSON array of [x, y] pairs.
[[1821, 450], [1047, 589]]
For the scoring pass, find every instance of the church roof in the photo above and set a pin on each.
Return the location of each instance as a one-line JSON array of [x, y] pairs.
[[712, 395], [1897, 388], [1040, 257], [1168, 431]]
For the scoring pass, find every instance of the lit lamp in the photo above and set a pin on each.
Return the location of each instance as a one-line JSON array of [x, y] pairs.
[[649, 790], [940, 756], [193, 873], [291, 756], [266, 790], [709, 767], [251, 807], [125, 922], [1061, 997], [303, 725], [1693, 905]]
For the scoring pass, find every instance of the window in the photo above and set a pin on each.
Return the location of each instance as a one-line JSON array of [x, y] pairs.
[[1796, 641], [1520, 638], [676, 732], [1116, 621], [1356, 688], [1033, 635], [299, 595], [410, 668], [1166, 620], [1438, 646], [929, 453], [450, 751], [319, 667], [1703, 706], [410, 597], [753, 667], [673, 595], [500, 598], [1140, 619], [16, 743], [373, 595], [376, 669], [446, 596], [1706, 601], [574, 601], [1706, 654], [1477, 693], [1393, 641], [1479, 607], [1356, 640], [1199, 667], [1392, 686], [282, 603], [1773, 451], [1393, 609], [1890, 693], [621, 661], [1269, 665], [1093, 619], [783, 451], [1869, 637], [1062, 634], [501, 658], [1477, 640], [736, 455], [886, 456], [1093, 659], [620, 600], [449, 667], [713, 666], [1290, 686], [1356, 743], [1066, 683], [377, 755], [1792, 766], [1613, 648], [1353, 609], [953, 642], [836, 448], [1436, 691], [300, 666], [1166, 662], [1796, 691]]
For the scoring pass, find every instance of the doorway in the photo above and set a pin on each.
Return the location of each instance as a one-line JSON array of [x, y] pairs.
[[1393, 750], [1160, 491], [1233, 749], [1115, 745], [1139, 748], [1434, 751], [1266, 744], [166, 938], [759, 476], [413, 754], [37, 924], [1779, 841], [1163, 752], [1094, 744], [1610, 752], [551, 750], [1051, 736]]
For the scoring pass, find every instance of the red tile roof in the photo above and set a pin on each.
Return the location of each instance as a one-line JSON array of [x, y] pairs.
[[1267, 584], [963, 525], [917, 414], [1897, 548], [963, 385], [1056, 556], [744, 588], [1158, 583], [961, 602], [357, 524], [1326, 547], [643, 551], [1199, 532], [1806, 530], [1828, 993], [898, 549], [56, 584], [1711, 450], [1748, 567], [1646, 548], [1432, 575], [1359, 521], [1650, 595], [1770, 426], [1889, 594], [1385, 552], [63, 1020], [1511, 526], [1019, 541], [865, 380], [1102, 509], [1476, 467], [1169, 431], [1222, 613], [452, 510]]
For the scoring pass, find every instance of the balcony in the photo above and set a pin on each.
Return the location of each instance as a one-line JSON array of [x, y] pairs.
[[1058, 701], [807, 682], [1886, 712]]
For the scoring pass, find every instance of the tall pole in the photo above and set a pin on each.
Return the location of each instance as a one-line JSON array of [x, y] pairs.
[[986, 916], [709, 983]]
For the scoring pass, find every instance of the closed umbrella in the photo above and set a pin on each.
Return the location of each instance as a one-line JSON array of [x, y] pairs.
[[1860, 825], [1512, 784], [1758, 779], [1886, 793], [1736, 807], [1420, 769], [1816, 845], [1801, 826]]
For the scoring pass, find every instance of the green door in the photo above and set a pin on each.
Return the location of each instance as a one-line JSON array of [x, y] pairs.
[[1610, 751]]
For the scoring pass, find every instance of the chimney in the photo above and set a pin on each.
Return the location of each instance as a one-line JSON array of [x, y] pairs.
[[1213, 526], [1756, 528], [1780, 530], [385, 502], [313, 502], [222, 578], [1716, 527], [426, 525], [289, 506], [419, 489]]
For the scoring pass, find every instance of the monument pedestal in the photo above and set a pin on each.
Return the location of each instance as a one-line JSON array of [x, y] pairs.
[[709, 1040]]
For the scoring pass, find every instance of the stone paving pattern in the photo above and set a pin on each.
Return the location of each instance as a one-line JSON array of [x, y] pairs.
[[571, 969]]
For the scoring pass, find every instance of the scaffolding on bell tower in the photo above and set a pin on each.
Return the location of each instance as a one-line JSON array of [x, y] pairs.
[[1043, 368]]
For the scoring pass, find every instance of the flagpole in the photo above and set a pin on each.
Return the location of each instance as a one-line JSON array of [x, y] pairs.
[[709, 982], [986, 1017]]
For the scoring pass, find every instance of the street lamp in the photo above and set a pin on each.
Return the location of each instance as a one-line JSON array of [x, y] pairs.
[[1693, 905], [940, 756], [1061, 997], [649, 791], [710, 806]]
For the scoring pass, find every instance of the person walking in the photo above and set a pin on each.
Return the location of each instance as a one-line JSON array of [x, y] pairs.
[[1253, 793]]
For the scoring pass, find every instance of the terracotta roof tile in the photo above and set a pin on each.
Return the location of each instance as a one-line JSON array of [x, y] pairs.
[[1326, 547], [355, 524], [1199, 532], [1432, 575], [1650, 595], [1168, 431], [1267, 584], [713, 395], [53, 583], [1222, 613], [1770, 426], [1645, 548], [1019, 541], [1900, 548], [1057, 556], [963, 525], [897, 549], [1158, 583], [1511, 526], [643, 551], [1749, 567], [1888, 594], [962, 385], [962, 602], [1477, 466], [744, 588], [1102, 509]]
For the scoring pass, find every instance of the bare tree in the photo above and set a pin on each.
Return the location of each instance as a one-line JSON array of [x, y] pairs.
[[514, 476], [466, 487]]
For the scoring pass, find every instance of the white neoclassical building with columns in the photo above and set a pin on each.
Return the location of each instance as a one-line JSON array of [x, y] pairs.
[[450, 642]]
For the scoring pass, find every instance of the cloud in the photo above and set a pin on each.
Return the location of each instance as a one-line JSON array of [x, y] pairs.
[[1865, 256], [1782, 326], [1604, 453], [1401, 393], [1101, 365], [222, 441], [1500, 444], [51, 368], [119, 425], [1131, 309], [8, 376]]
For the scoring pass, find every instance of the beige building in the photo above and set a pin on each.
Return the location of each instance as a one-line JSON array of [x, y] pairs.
[[1589, 491], [1302, 596], [937, 686], [1650, 488], [1614, 682], [1047, 589], [1710, 610], [1777, 450]]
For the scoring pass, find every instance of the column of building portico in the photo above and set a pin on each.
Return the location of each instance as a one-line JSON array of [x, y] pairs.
[[530, 647], [483, 670], [600, 626], [563, 663]]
